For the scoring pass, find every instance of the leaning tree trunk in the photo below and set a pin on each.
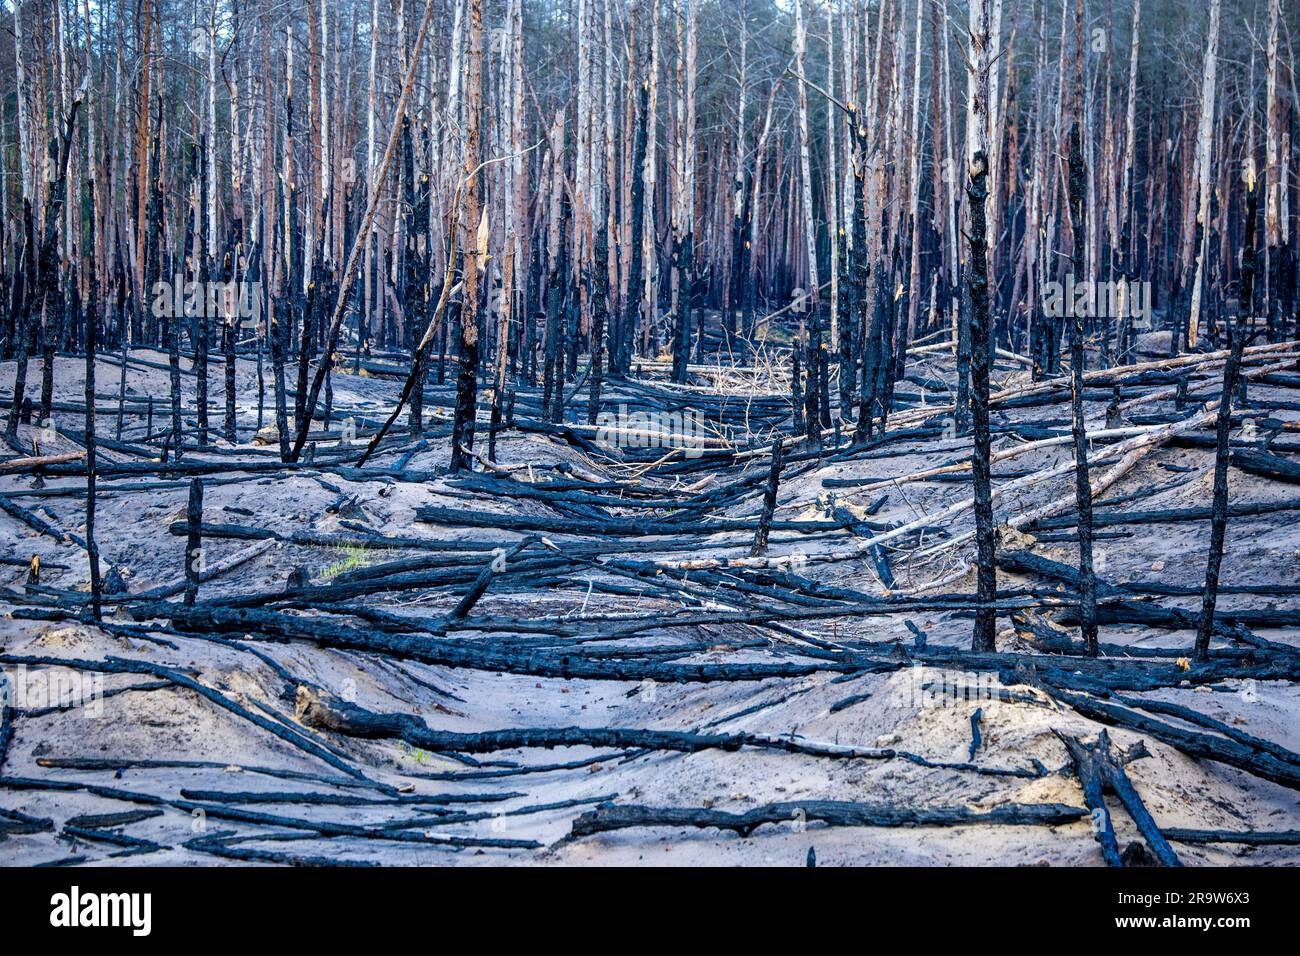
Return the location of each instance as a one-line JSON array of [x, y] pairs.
[[361, 240], [1231, 373]]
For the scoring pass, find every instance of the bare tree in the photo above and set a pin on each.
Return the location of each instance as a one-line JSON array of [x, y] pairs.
[[981, 346]]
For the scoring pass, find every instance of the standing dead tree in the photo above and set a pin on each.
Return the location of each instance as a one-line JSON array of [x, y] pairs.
[[981, 344], [359, 242], [1199, 242], [1078, 359], [42, 266], [473, 241]]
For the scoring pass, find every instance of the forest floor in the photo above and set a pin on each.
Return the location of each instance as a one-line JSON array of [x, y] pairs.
[[239, 774]]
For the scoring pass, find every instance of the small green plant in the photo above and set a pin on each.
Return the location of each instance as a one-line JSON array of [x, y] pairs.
[[414, 754], [354, 556]]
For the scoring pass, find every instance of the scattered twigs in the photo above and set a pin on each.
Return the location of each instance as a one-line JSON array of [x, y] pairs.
[[324, 828], [112, 579]]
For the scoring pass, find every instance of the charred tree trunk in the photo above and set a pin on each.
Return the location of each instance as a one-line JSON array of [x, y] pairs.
[[626, 339], [474, 249], [985, 530], [1078, 359], [92, 546], [769, 502], [45, 271], [1231, 373], [600, 308]]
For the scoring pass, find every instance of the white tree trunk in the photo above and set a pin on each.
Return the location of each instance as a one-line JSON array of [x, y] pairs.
[[1204, 139], [805, 160]]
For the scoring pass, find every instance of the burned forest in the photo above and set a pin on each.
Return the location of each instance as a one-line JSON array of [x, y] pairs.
[[649, 433]]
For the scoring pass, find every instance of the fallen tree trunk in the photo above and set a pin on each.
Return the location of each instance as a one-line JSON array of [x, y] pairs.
[[1064, 671], [1247, 837], [1198, 745], [29, 463], [317, 709], [1117, 780], [834, 813], [1159, 516], [1087, 767], [1267, 466]]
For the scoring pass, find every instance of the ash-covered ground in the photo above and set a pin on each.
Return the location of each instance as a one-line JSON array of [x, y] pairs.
[[164, 736]]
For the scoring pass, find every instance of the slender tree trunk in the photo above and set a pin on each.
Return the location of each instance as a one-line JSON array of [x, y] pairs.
[[976, 194], [1126, 199], [1204, 138], [635, 282], [474, 249], [1078, 358], [92, 547], [684, 218], [1275, 184], [1231, 373], [813, 343]]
